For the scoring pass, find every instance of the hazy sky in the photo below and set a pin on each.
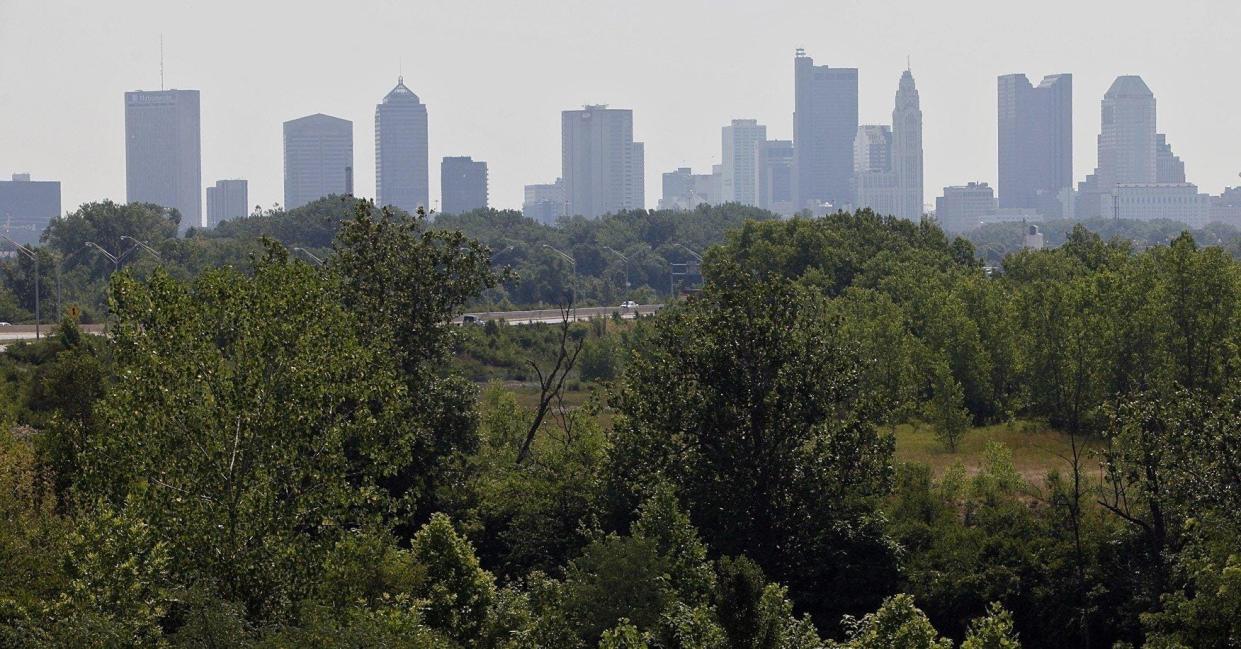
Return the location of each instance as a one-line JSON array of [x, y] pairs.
[[495, 75]]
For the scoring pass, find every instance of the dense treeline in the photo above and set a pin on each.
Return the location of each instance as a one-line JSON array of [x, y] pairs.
[[616, 258], [995, 241], [280, 455]]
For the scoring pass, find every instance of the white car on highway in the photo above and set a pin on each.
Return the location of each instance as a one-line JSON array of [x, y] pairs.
[[629, 304]]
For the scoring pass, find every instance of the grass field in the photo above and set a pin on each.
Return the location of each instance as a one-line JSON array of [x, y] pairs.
[[1036, 448]]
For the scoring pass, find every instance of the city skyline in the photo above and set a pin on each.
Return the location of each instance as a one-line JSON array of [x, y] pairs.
[[241, 135]]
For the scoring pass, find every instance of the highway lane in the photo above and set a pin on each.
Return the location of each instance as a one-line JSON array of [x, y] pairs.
[[549, 316], [13, 333]]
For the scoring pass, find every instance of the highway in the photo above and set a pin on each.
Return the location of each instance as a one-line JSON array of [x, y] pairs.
[[550, 316], [12, 333]]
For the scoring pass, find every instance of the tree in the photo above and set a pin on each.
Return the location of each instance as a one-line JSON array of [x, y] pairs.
[[897, 624], [457, 591], [944, 410], [994, 631], [404, 284], [248, 427], [748, 404]]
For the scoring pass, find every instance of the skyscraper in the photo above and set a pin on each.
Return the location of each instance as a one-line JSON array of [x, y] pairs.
[[463, 185], [228, 199], [318, 158], [825, 121], [887, 162], [775, 176], [907, 149], [1127, 143], [1036, 143], [874, 182], [740, 141], [1128, 147], [401, 150], [602, 165], [27, 206], [163, 151]]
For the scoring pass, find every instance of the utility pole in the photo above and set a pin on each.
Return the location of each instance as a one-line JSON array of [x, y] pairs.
[[34, 256]]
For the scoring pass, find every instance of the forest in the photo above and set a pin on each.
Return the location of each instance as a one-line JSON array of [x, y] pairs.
[[282, 441]]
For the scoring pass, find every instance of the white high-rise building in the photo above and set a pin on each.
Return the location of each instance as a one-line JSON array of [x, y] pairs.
[[887, 162], [401, 150], [318, 159], [163, 151], [602, 165], [1128, 146], [741, 140], [907, 149]]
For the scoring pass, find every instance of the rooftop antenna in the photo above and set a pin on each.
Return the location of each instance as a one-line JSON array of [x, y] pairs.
[[400, 70], [907, 66], [161, 61]]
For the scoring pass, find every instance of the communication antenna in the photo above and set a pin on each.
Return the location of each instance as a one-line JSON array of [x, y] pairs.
[[161, 61]]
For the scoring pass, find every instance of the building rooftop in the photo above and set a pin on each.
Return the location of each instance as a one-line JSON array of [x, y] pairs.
[[1128, 87]]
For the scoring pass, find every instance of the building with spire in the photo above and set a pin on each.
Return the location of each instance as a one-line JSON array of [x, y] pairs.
[[1035, 143], [887, 161], [907, 148], [401, 162]]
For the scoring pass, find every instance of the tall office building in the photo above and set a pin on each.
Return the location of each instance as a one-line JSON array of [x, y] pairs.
[[887, 162], [318, 158], [825, 121], [602, 165], [1036, 143], [463, 185], [907, 149], [544, 203], [740, 144], [401, 150], [163, 151], [227, 200], [775, 177], [1128, 151], [874, 182], [27, 206]]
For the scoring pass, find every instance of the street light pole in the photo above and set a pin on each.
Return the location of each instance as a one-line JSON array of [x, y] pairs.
[[306, 252], [573, 265], [59, 311], [38, 313], [626, 260], [141, 244]]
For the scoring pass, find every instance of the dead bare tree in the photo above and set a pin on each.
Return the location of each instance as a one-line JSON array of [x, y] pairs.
[[551, 384]]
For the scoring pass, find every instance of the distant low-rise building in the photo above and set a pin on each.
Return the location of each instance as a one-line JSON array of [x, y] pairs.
[[962, 207], [1033, 238], [685, 190], [544, 203], [26, 207], [1226, 208], [1149, 201], [228, 199]]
